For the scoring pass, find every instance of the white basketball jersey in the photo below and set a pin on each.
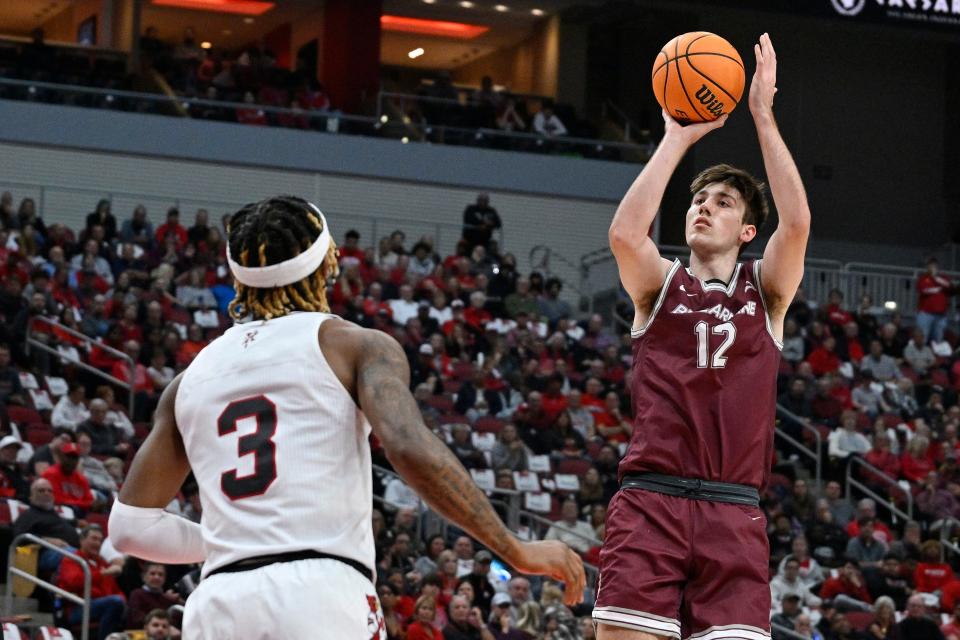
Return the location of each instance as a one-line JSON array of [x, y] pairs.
[[277, 444]]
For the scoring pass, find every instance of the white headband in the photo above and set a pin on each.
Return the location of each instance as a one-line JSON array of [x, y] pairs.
[[286, 272]]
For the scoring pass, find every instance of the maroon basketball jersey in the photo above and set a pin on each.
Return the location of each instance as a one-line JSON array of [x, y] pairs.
[[704, 381]]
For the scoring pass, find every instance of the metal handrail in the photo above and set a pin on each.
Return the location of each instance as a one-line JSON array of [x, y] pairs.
[[852, 481], [185, 101], [494, 133], [13, 571], [946, 544], [31, 341], [784, 413], [547, 522], [789, 633]]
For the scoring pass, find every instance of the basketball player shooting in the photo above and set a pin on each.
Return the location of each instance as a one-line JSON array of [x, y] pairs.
[[274, 417], [686, 553]]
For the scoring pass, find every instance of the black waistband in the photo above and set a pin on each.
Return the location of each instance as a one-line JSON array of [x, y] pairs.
[[693, 488], [248, 564]]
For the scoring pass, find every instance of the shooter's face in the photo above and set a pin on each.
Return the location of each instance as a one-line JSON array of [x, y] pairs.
[[714, 221]]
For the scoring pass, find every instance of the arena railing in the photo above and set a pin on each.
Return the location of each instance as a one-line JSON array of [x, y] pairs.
[[396, 105], [445, 234], [784, 415], [84, 602], [892, 288], [948, 541], [889, 503], [89, 342]]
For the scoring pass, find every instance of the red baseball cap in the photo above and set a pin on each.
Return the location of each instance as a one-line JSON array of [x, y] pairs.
[[69, 449]]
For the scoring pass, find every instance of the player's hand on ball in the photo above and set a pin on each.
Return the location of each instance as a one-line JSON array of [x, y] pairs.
[[555, 559], [764, 84], [689, 133]]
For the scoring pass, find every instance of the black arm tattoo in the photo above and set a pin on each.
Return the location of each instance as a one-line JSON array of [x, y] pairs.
[[418, 455]]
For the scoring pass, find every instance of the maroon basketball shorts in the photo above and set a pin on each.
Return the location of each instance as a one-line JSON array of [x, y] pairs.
[[683, 568]]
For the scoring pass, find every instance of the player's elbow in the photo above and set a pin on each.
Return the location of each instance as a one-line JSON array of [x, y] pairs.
[[620, 237]]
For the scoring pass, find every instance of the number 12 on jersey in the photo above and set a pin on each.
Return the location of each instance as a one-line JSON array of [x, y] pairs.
[[703, 331]]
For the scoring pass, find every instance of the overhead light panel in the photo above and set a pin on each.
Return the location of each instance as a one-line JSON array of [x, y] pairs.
[[245, 7], [422, 26], [466, 4], [502, 8], [205, 45], [416, 53], [537, 12]]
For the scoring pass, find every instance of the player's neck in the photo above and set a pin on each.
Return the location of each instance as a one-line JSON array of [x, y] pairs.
[[714, 266]]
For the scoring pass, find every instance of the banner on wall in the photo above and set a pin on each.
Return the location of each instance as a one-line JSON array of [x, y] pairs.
[[929, 14]]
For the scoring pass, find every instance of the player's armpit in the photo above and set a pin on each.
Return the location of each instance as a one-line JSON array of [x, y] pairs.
[[161, 464]]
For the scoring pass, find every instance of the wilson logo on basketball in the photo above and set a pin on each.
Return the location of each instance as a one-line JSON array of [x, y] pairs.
[[709, 100]]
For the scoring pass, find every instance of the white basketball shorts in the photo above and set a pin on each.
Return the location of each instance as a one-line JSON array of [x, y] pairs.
[[315, 598]]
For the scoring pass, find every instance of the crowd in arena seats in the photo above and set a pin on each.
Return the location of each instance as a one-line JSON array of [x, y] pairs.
[[528, 398]]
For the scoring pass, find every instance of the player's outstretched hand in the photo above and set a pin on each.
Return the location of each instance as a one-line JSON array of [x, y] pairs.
[[689, 133], [555, 559], [764, 84]]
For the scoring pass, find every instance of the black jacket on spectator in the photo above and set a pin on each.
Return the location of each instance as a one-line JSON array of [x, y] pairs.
[[16, 481], [881, 585], [474, 219], [467, 399], [46, 524], [453, 631], [103, 438], [109, 225], [915, 629]]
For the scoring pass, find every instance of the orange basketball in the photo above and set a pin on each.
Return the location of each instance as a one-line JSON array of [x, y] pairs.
[[698, 77]]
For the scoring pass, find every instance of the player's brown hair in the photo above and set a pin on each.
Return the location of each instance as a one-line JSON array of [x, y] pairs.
[[269, 232], [750, 188]]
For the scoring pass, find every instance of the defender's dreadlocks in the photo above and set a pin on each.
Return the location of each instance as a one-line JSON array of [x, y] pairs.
[[269, 232]]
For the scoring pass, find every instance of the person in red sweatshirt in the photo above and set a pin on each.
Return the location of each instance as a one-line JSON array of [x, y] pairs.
[[932, 290], [849, 583], [106, 600], [931, 574], [824, 358], [70, 486]]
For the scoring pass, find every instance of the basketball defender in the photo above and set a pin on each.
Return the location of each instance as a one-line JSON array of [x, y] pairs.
[[685, 553], [274, 417]]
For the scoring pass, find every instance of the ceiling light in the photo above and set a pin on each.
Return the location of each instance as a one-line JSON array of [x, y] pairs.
[[429, 1], [466, 4], [248, 7], [205, 45], [443, 28], [249, 20], [537, 12], [404, 139], [227, 32], [416, 53], [502, 7]]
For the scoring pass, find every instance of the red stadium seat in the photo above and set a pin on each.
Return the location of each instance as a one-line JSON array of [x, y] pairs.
[[39, 434], [576, 466], [23, 415], [443, 404], [451, 386], [453, 418], [462, 370], [488, 424], [860, 620], [100, 519]]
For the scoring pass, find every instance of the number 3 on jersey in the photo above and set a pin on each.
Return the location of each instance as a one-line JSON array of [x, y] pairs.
[[703, 330], [259, 443]]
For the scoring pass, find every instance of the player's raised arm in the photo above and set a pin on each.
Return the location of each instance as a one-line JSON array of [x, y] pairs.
[[782, 267], [139, 526], [642, 270], [422, 460]]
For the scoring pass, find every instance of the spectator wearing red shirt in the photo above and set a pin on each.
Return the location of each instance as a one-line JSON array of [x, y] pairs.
[[824, 359], [350, 251], [931, 574], [137, 375], [915, 463], [837, 316], [190, 347], [70, 486], [106, 600], [611, 423], [933, 288], [425, 613], [476, 316], [592, 398], [172, 225], [554, 402], [867, 508], [882, 458], [849, 583]]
